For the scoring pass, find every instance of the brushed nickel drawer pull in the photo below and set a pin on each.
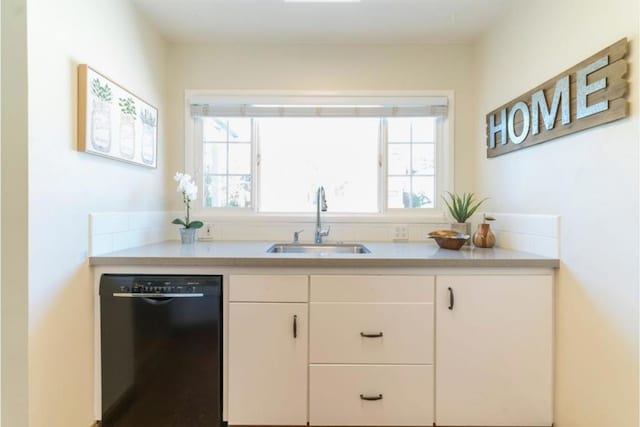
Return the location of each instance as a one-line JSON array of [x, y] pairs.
[[371, 398], [378, 335]]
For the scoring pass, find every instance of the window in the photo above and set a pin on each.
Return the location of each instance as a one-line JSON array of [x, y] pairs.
[[297, 155], [227, 144], [411, 157], [268, 158]]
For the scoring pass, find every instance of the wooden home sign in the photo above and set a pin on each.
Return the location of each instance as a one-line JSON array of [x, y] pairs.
[[590, 94]]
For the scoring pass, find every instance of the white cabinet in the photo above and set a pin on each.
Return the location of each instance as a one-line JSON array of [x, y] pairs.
[[371, 350], [493, 353], [268, 351], [403, 350]]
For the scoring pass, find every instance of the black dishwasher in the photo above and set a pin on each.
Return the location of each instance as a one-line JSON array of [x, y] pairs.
[[161, 350]]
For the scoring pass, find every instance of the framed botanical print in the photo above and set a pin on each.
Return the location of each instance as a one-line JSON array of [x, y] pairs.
[[113, 122]]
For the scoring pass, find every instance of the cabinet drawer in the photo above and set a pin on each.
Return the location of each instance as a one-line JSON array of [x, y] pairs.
[[245, 288], [372, 288], [335, 395], [336, 333]]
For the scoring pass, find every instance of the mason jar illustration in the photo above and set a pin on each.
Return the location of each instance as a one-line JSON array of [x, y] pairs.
[[127, 127], [148, 136], [101, 116]]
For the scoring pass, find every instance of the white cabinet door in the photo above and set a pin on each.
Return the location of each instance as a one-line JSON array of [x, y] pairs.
[[494, 350], [268, 346]]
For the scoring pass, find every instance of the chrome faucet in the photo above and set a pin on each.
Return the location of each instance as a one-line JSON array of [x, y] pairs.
[[321, 205]]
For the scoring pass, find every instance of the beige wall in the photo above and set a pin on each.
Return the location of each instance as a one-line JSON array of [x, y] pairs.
[[65, 186], [591, 180], [14, 209], [323, 67]]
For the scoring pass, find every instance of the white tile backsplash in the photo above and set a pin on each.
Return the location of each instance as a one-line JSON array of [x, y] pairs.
[[111, 222], [537, 234], [114, 231]]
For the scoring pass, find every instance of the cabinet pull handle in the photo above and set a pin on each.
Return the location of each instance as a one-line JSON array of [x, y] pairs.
[[295, 326], [378, 335], [371, 398], [452, 299]]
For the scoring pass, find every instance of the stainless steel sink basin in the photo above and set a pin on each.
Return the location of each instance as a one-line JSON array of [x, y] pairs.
[[298, 248]]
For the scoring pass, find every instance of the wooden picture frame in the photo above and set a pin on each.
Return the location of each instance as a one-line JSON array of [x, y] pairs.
[[113, 122]]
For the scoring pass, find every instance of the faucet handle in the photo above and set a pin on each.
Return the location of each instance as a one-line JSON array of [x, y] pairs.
[[326, 231], [296, 236]]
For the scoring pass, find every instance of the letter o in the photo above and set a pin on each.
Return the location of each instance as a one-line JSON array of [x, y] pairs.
[[526, 123]]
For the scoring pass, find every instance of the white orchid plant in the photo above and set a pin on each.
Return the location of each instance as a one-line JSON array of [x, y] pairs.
[[189, 190]]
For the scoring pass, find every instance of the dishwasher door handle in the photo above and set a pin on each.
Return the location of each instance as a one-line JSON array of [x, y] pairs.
[[140, 295]]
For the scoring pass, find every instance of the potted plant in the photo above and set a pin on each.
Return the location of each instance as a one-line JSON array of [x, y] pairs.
[[189, 191], [461, 208]]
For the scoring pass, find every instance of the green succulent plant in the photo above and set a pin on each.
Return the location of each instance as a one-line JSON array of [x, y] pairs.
[[462, 207]]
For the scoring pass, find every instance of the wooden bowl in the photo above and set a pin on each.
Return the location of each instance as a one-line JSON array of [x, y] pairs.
[[449, 239]]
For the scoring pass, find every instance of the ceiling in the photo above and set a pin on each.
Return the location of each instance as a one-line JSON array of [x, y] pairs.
[[370, 21]]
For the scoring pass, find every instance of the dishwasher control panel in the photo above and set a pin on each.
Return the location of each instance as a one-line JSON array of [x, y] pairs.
[[163, 284]]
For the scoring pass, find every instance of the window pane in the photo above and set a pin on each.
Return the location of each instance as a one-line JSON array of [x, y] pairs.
[[300, 154], [240, 159], [423, 129], [399, 162], [423, 192], [399, 129], [214, 129], [215, 158], [399, 192], [239, 191], [423, 159], [215, 191], [239, 129]]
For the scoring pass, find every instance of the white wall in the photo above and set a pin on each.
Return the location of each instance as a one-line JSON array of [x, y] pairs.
[[591, 180], [66, 185], [0, 222], [323, 67], [14, 209]]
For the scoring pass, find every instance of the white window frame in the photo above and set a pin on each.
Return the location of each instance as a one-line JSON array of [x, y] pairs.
[[445, 146]]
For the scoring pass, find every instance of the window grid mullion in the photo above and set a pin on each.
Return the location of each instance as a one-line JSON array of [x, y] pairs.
[[227, 168], [411, 165]]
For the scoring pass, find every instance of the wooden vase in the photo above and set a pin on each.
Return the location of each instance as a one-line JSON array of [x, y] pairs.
[[484, 237]]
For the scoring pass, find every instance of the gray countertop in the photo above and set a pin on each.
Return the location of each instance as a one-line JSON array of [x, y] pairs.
[[253, 254]]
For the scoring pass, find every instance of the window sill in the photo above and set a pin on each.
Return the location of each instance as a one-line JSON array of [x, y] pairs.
[[218, 216]]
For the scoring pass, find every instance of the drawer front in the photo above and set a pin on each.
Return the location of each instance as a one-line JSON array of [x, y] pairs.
[[404, 393], [336, 333], [246, 288], [372, 288]]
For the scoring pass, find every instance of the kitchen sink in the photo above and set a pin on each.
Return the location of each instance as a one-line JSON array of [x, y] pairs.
[[298, 248]]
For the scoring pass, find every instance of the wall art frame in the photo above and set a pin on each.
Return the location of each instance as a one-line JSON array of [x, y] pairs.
[[113, 122]]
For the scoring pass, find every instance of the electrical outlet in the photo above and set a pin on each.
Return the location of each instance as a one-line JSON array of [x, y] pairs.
[[400, 232], [207, 231]]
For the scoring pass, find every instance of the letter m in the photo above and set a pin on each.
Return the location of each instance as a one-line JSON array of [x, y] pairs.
[[539, 105]]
